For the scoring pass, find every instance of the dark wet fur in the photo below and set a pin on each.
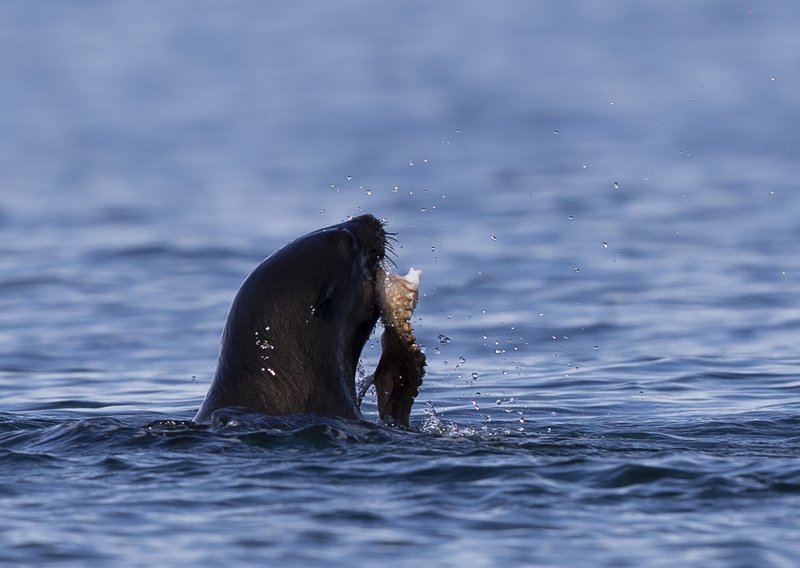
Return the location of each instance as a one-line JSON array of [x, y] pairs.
[[295, 331]]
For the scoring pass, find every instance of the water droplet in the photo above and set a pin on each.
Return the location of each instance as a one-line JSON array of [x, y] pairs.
[[349, 178], [411, 163], [556, 132], [395, 189], [616, 185], [577, 269], [493, 237], [475, 375], [571, 217], [369, 191], [605, 245], [442, 338]]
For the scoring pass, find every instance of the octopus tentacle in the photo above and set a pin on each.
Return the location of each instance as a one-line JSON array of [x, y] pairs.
[[401, 367]]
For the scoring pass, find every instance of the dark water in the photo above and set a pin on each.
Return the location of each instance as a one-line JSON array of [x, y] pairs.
[[602, 197]]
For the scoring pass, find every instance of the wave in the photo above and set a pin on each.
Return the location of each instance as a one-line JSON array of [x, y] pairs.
[[711, 459]]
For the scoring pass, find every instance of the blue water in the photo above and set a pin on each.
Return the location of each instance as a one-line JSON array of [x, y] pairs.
[[602, 197]]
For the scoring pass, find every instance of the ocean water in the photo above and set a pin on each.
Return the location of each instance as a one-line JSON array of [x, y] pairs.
[[603, 199]]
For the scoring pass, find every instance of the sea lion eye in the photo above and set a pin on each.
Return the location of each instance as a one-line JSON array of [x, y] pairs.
[[325, 304]]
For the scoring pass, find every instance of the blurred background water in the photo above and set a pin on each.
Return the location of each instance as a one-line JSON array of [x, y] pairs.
[[602, 197]]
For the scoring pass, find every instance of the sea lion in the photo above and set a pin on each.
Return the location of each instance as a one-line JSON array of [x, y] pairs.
[[296, 328]]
